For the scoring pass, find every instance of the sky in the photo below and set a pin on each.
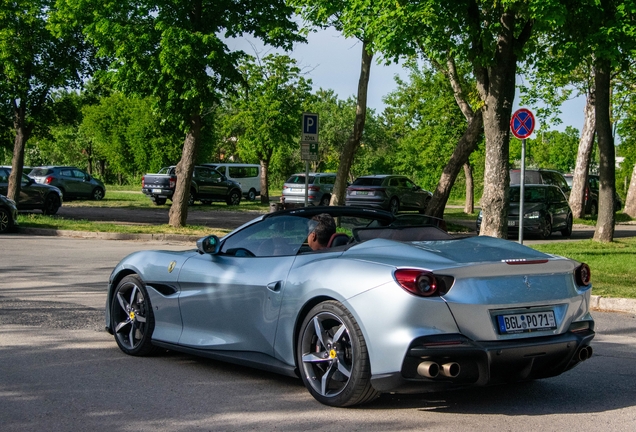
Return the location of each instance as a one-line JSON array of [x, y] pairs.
[[333, 62]]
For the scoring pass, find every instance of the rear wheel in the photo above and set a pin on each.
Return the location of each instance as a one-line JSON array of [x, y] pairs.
[[333, 358], [159, 201], [593, 209], [5, 220], [132, 320], [98, 194], [324, 201], [234, 198], [52, 204], [394, 205]]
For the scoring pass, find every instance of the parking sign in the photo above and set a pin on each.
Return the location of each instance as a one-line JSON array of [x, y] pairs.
[[310, 128]]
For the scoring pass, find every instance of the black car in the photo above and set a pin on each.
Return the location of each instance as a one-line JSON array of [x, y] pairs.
[[387, 192], [8, 214], [591, 194], [545, 210], [33, 196]]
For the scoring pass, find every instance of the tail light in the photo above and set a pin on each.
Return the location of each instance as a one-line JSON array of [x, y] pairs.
[[583, 275], [587, 193], [49, 180], [143, 181], [173, 182], [423, 283]]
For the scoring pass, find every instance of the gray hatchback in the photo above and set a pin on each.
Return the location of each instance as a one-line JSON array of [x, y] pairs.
[[388, 192], [72, 181], [320, 188]]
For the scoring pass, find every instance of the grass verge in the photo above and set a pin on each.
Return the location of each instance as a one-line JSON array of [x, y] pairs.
[[613, 264]]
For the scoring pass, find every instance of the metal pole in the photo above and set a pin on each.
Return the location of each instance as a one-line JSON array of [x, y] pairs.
[[522, 188], [306, 183]]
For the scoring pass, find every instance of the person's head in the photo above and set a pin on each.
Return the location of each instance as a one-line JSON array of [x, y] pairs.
[[325, 227]]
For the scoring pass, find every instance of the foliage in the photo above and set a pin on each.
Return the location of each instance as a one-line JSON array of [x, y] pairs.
[[550, 150]]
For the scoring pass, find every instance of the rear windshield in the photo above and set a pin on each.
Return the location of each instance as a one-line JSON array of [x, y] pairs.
[[40, 172], [299, 179], [532, 177], [368, 181]]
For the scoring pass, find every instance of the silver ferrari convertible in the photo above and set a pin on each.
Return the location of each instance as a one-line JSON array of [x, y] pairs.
[[394, 304]]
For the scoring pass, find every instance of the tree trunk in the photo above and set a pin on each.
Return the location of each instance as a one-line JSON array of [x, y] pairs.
[[497, 90], [264, 181], [630, 201], [469, 207], [583, 157], [22, 132], [184, 169], [466, 145], [349, 151], [607, 170]]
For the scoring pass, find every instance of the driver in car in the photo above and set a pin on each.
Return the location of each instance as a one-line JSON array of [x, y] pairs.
[[323, 228]]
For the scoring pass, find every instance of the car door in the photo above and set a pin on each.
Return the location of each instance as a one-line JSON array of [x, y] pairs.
[[558, 207], [82, 184], [203, 179], [231, 300], [417, 196], [30, 197]]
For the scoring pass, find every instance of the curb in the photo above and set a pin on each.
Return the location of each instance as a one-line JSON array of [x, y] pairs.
[[598, 303]]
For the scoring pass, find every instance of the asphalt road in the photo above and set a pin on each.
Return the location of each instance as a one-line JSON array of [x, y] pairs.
[[60, 371]]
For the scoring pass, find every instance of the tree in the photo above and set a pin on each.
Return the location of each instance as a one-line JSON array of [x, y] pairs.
[[175, 51], [266, 115], [33, 63]]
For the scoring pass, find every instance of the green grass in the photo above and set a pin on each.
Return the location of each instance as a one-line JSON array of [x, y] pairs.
[[613, 264]]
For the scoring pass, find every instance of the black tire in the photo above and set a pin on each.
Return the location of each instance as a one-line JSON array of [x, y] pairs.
[[324, 201], [98, 194], [131, 317], [5, 221], [51, 205], [192, 198], [567, 231], [426, 203], [593, 209], [251, 195], [394, 205], [334, 365], [233, 198], [546, 231], [159, 201]]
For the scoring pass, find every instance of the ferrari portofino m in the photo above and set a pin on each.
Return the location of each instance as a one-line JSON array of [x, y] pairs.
[[393, 304]]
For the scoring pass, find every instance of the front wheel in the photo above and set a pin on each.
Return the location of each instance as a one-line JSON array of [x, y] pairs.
[[98, 194], [52, 204], [234, 198], [191, 198], [251, 195], [547, 230], [567, 231], [5, 221], [132, 320], [333, 358]]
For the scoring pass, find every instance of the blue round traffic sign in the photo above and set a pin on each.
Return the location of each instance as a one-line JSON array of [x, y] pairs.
[[522, 123]]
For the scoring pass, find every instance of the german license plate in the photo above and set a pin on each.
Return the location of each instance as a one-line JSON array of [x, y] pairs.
[[526, 322], [156, 191], [361, 193], [512, 223]]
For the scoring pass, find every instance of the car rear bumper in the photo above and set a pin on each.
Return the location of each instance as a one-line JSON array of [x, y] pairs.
[[378, 204], [159, 192], [485, 363]]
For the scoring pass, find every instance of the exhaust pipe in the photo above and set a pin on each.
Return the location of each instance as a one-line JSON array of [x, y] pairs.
[[450, 370], [585, 353], [428, 369]]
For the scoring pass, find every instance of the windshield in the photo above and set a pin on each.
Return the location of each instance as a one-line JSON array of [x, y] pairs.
[[530, 194]]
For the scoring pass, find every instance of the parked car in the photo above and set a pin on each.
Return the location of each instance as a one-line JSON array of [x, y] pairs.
[[248, 176], [387, 192], [320, 188], [207, 185], [541, 176], [73, 182], [402, 307], [8, 215], [545, 209], [33, 196], [591, 194]]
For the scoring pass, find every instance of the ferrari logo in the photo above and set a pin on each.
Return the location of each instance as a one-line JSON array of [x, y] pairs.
[[171, 266]]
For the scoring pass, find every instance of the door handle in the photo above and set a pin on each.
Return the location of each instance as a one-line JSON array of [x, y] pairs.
[[274, 286]]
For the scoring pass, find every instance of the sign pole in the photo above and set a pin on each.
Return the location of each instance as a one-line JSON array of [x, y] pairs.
[[522, 188], [309, 146], [306, 183]]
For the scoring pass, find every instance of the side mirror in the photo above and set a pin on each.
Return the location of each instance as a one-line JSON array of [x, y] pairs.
[[209, 245]]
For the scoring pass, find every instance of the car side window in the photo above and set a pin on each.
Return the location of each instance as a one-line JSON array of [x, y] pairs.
[[409, 184], [79, 174], [66, 173], [329, 180], [276, 236], [4, 176]]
